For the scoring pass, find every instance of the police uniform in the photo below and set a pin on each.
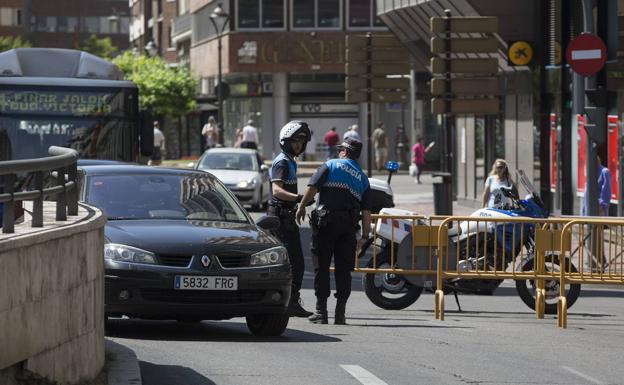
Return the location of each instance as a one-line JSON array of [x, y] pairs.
[[343, 192], [284, 169]]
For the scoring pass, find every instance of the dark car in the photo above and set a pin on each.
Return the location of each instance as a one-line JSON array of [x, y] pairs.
[[178, 245]]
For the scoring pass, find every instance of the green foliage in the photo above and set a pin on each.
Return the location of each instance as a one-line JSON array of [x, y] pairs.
[[103, 48], [10, 42], [165, 90]]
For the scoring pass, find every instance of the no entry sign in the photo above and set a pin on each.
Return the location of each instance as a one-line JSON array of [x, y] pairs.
[[586, 54]]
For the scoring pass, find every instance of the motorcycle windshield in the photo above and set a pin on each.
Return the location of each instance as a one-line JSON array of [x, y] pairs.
[[524, 180]]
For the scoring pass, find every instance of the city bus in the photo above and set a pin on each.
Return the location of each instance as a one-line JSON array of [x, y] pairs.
[[61, 97]]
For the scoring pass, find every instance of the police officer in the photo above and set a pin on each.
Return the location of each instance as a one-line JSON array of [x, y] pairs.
[[344, 194], [294, 137]]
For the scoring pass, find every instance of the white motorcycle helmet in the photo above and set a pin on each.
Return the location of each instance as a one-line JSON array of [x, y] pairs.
[[294, 129]]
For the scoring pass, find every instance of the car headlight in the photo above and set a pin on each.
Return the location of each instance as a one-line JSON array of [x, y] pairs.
[[123, 253], [246, 183], [272, 256]]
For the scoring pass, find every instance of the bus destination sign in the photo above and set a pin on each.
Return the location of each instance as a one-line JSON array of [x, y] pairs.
[[55, 103]]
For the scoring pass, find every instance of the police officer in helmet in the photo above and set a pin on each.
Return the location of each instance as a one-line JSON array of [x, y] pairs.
[[344, 199], [294, 137]]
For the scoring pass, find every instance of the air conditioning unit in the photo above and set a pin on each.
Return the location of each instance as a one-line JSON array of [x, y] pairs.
[[267, 88]]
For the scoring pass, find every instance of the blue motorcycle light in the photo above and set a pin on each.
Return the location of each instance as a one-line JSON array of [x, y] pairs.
[[392, 165]]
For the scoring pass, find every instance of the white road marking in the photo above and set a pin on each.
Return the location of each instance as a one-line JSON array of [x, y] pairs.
[[585, 376], [362, 375], [586, 54]]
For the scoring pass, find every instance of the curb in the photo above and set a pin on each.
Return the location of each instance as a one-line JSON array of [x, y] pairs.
[[122, 365]]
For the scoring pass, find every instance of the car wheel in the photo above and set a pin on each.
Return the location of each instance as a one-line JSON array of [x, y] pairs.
[[267, 324]]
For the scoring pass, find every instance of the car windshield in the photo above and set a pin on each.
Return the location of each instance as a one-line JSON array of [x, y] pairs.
[[150, 196], [229, 161]]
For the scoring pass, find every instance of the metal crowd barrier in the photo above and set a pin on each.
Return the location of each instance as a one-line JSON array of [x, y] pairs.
[[546, 251], [595, 246], [519, 248], [61, 166]]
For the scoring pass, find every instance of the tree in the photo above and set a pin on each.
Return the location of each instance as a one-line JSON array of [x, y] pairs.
[[165, 90], [103, 48], [10, 42]]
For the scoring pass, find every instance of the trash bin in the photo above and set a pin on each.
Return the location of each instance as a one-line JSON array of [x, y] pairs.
[[443, 194]]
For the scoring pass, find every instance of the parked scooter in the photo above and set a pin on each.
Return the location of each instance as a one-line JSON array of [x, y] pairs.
[[478, 240]]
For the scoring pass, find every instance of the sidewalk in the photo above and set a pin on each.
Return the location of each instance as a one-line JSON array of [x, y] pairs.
[[122, 365]]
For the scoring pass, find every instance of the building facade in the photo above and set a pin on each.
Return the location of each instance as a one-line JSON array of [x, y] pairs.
[[68, 23], [12, 18], [282, 60], [150, 28]]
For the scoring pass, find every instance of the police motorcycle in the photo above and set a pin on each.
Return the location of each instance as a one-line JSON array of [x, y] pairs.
[[394, 292]]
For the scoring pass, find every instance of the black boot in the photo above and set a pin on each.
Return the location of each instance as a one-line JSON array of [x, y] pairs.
[[320, 315], [295, 307], [339, 315]]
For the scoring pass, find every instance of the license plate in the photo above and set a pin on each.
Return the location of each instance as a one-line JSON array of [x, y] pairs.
[[202, 282]]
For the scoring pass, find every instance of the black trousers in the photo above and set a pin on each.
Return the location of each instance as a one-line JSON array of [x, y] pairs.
[[336, 240], [288, 234]]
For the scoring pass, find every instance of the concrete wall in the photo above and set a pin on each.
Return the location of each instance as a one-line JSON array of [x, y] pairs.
[[52, 298]]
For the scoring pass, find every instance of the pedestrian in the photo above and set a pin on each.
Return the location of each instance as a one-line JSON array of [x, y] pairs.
[[250, 136], [401, 144], [352, 132], [499, 177], [380, 141], [294, 137], [418, 156], [594, 239], [344, 199], [210, 132], [238, 137], [604, 191], [331, 139], [159, 145]]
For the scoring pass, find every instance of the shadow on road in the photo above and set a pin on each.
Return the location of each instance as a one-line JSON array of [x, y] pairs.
[[153, 374], [202, 331]]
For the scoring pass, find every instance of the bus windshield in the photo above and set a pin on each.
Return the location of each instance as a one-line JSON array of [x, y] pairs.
[[98, 122]]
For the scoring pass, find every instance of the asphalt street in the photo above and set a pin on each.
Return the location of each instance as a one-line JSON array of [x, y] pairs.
[[494, 340]]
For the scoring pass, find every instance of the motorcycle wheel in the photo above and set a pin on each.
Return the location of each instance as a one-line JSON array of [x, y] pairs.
[[386, 290], [526, 288]]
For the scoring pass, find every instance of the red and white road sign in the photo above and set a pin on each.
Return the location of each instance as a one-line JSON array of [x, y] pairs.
[[586, 54]]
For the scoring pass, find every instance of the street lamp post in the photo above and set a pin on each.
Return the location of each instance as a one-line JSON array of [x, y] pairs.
[[219, 16]]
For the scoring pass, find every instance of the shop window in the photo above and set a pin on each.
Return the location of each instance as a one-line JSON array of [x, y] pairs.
[[254, 14], [363, 14], [307, 14]]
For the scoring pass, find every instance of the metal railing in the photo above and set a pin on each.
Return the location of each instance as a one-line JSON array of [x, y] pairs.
[[60, 166]]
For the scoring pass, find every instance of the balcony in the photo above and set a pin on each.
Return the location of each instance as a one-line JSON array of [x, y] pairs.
[[181, 27]]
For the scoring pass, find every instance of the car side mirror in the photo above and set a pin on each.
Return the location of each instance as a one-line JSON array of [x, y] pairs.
[[268, 222], [264, 168], [190, 165]]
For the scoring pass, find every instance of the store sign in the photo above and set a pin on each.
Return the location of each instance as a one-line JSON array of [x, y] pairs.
[[581, 140], [276, 52], [612, 155], [323, 108], [553, 152], [248, 53]]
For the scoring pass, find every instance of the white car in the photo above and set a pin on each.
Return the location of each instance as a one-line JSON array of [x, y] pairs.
[[242, 171]]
